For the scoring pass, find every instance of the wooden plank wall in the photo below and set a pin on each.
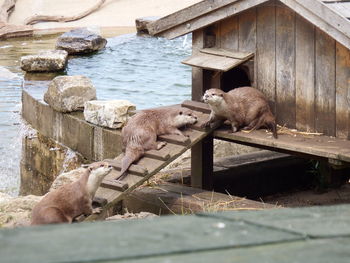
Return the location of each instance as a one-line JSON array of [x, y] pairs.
[[304, 73]]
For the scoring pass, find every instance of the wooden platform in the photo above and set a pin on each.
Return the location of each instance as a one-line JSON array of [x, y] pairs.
[[153, 161], [311, 234], [309, 146]]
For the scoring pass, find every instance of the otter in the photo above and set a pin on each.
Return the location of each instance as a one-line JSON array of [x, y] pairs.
[[71, 200], [245, 108], [141, 131]]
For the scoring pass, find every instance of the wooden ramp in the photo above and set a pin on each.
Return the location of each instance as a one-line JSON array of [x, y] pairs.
[[153, 161]]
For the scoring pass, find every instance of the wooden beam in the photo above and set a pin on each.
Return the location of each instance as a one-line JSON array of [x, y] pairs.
[[232, 9], [265, 56], [202, 164], [186, 14], [316, 147], [305, 74], [342, 89], [285, 66], [325, 105], [323, 17]]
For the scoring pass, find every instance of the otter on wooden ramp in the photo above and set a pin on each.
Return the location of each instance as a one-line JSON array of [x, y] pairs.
[[140, 133]]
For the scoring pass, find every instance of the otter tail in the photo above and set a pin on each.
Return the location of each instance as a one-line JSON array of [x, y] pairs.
[[132, 154], [270, 123]]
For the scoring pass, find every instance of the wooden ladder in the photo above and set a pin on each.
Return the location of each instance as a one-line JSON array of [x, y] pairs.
[[112, 191]]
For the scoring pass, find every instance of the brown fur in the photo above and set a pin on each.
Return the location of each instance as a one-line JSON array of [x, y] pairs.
[[140, 133], [71, 200], [245, 108]]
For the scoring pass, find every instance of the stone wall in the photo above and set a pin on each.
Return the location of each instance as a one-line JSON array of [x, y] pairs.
[[42, 161], [63, 142], [94, 143]]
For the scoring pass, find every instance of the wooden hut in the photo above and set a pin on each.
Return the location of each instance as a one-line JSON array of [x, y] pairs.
[[295, 51]]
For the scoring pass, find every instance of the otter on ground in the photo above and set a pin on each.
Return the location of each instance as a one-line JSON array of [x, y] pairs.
[[245, 108], [71, 200], [141, 131]]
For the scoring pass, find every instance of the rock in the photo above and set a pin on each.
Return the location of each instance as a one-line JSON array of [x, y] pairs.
[[69, 93], [80, 41], [67, 178], [45, 61], [112, 114], [142, 22], [131, 216], [16, 211]]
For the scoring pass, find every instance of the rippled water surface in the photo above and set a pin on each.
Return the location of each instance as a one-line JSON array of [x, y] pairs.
[[147, 71]]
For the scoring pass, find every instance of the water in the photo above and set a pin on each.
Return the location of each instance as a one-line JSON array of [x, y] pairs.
[[146, 71]]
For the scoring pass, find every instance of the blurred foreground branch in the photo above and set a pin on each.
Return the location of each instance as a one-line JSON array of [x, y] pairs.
[[43, 18]]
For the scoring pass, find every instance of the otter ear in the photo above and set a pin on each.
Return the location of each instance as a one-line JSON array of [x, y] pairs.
[[221, 95], [84, 165], [180, 113]]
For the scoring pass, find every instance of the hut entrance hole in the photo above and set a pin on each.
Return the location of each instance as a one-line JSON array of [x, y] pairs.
[[234, 78]]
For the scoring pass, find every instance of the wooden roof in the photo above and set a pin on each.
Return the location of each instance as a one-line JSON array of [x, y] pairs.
[[217, 59], [330, 16]]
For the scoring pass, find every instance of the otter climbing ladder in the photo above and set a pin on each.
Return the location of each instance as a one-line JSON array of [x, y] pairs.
[[112, 191]]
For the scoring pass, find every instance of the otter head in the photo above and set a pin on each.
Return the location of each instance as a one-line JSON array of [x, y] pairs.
[[184, 117], [213, 96], [98, 169], [98, 172]]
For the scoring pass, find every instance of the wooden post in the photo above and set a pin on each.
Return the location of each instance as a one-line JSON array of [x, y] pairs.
[[202, 164], [202, 152]]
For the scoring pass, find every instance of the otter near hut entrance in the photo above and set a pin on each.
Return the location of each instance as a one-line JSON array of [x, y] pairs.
[[234, 78]]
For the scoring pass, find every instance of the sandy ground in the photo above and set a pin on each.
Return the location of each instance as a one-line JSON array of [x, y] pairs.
[[114, 13]]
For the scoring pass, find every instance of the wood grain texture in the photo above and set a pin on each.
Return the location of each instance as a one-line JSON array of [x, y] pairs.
[[186, 14], [232, 9], [305, 75], [266, 53], [247, 38], [325, 84], [285, 66], [228, 53], [323, 18], [197, 73], [212, 62], [308, 146], [247, 31], [228, 33], [342, 91]]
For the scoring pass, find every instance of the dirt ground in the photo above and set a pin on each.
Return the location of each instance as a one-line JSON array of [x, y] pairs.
[[310, 197]]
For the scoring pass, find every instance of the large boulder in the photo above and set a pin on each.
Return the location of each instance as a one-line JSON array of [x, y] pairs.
[[16, 211], [142, 22], [112, 114], [45, 61], [69, 93], [67, 178], [80, 41]]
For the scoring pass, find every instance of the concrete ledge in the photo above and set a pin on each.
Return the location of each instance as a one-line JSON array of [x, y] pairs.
[[93, 142]]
